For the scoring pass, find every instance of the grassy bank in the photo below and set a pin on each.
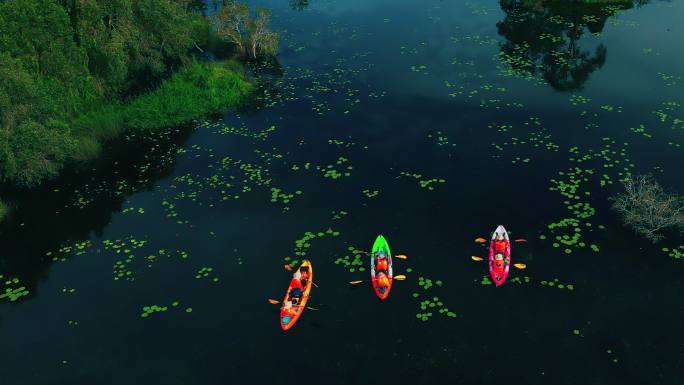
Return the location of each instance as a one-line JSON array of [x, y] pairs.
[[4, 209], [197, 90]]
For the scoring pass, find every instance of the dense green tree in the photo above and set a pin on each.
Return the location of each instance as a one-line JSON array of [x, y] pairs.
[[61, 60]]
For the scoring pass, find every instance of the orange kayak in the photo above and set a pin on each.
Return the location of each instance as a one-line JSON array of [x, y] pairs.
[[289, 317]]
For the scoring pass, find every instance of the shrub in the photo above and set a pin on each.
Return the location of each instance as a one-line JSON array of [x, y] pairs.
[[648, 209]]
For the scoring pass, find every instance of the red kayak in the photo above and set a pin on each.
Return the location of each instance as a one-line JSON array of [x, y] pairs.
[[498, 268]]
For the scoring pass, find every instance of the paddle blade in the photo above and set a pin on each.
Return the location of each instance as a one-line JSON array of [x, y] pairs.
[[480, 240], [400, 277], [355, 282], [476, 258], [520, 265], [273, 302], [400, 256], [521, 240], [287, 267]]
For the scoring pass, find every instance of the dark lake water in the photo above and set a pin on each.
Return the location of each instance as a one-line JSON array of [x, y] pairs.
[[430, 122]]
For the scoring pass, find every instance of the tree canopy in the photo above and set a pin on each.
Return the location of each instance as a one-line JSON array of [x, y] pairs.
[[62, 58]]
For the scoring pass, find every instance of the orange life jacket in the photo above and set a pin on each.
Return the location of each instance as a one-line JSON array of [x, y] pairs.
[[500, 246], [296, 284], [382, 280], [291, 311], [382, 265], [498, 265]]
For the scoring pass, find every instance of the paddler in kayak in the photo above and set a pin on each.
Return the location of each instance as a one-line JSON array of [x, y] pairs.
[[296, 287], [381, 271], [381, 264], [288, 309], [499, 263], [304, 279], [500, 243]]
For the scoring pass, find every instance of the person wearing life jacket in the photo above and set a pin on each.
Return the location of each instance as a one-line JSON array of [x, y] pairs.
[[498, 264], [296, 288], [382, 281], [288, 309], [381, 264], [500, 243], [304, 279]]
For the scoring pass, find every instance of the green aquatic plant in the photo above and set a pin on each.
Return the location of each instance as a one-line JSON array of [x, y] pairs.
[[303, 244], [205, 272], [337, 215], [370, 193], [11, 289], [431, 305], [4, 210], [557, 284], [519, 280], [674, 252], [423, 182], [355, 262], [148, 310]]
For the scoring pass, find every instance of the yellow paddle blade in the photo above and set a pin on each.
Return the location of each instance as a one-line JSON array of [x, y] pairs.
[[400, 277], [287, 267], [476, 258], [520, 265], [355, 282], [400, 256], [480, 240], [273, 302]]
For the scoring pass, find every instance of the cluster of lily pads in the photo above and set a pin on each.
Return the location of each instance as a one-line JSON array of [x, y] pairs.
[[434, 304], [204, 272], [442, 139], [12, 291], [556, 283], [424, 182], [303, 244], [519, 280], [151, 309], [370, 193], [674, 252], [329, 171], [221, 128], [354, 260], [76, 248]]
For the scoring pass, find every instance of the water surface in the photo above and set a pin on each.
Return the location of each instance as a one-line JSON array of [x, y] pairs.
[[430, 122]]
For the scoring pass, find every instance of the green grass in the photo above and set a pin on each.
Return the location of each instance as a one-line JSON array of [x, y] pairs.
[[4, 210], [197, 90]]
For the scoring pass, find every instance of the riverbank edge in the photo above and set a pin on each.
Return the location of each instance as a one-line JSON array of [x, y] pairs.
[[198, 89]]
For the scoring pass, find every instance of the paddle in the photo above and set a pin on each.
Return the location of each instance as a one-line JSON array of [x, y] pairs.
[[400, 256], [476, 258], [520, 240], [480, 240], [274, 302], [287, 267], [520, 266], [399, 277]]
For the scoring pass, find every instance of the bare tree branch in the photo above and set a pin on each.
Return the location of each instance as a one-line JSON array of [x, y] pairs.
[[647, 208]]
